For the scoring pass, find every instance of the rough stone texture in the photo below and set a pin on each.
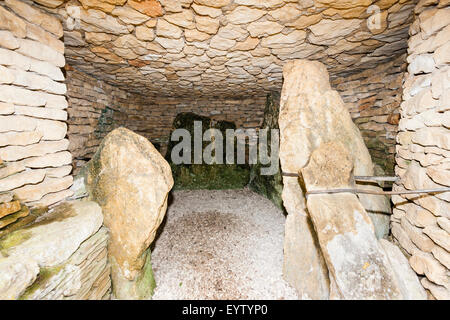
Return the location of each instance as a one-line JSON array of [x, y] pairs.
[[422, 150], [355, 259], [62, 255], [130, 180], [212, 176], [373, 99], [311, 114], [96, 108], [225, 47], [270, 186], [32, 104]]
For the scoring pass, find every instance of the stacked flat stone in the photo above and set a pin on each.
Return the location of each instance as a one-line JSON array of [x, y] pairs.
[[11, 210], [373, 98], [226, 47], [32, 106], [96, 108], [421, 223]]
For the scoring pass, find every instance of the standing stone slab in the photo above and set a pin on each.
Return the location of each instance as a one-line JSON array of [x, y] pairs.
[[346, 235], [311, 113], [130, 180], [303, 266]]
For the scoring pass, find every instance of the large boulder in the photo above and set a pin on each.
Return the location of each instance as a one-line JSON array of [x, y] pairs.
[[311, 113], [213, 176], [130, 180]]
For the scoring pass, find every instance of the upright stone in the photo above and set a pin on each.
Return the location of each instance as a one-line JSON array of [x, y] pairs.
[[130, 180], [346, 235]]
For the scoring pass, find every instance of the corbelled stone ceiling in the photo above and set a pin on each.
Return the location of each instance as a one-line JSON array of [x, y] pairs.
[[225, 47]]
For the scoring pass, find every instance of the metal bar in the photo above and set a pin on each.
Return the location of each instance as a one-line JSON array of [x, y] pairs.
[[381, 193], [357, 178]]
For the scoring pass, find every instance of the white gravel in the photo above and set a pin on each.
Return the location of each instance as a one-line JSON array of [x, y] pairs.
[[221, 244]]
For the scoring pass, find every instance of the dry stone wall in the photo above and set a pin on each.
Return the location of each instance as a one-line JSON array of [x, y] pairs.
[[62, 256], [373, 99], [420, 223], [231, 47], [33, 144], [96, 108]]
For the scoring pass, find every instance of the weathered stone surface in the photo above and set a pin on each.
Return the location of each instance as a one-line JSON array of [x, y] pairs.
[[131, 181], [345, 232], [150, 8], [75, 279], [15, 276], [19, 179], [47, 22], [61, 232], [329, 124], [407, 280], [7, 208]]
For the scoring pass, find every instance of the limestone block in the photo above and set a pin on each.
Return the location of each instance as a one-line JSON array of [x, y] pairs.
[[407, 280], [345, 232], [118, 173]]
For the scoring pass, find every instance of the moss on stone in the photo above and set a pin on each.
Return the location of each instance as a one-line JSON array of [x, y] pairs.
[[14, 239], [269, 186], [204, 176], [145, 283]]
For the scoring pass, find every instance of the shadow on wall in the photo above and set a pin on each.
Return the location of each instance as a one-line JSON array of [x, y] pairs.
[[204, 176]]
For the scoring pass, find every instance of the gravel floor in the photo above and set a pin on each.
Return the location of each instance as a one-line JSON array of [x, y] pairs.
[[225, 244]]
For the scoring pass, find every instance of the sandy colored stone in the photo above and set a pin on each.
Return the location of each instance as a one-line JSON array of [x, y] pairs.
[[213, 3], [344, 229], [439, 236], [6, 108], [281, 40], [241, 15], [49, 160], [97, 4], [19, 179], [121, 169], [249, 44], [195, 35], [150, 8], [305, 21], [264, 28], [167, 30], [15, 276], [129, 15], [8, 41], [11, 22], [144, 33], [184, 19], [13, 153], [328, 31], [42, 52], [425, 264], [13, 217], [29, 193], [439, 292], [207, 24], [50, 3], [51, 243], [407, 280], [206, 11], [97, 38], [7, 208]]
